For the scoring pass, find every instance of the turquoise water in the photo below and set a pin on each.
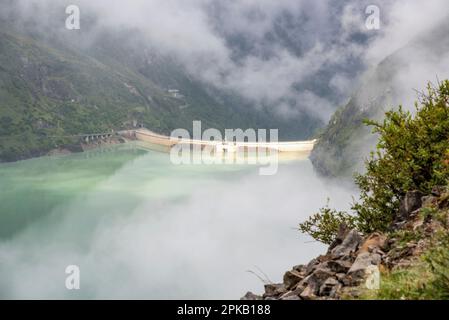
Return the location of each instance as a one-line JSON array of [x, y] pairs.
[[140, 227], [34, 188]]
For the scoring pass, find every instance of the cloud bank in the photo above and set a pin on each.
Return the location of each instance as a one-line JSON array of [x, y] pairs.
[[157, 233], [288, 55]]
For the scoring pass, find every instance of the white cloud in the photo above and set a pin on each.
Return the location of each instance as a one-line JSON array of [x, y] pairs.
[[170, 236], [271, 51]]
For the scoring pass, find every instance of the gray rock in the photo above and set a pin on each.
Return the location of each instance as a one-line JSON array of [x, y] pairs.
[[299, 288], [251, 296], [311, 266], [340, 276], [335, 291], [321, 274], [361, 263], [292, 278], [328, 287], [349, 244], [293, 297], [347, 281], [339, 266], [343, 231], [411, 202], [274, 289], [301, 269], [313, 282], [308, 293]]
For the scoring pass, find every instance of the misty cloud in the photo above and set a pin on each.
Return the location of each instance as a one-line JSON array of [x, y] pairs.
[[292, 56], [170, 236]]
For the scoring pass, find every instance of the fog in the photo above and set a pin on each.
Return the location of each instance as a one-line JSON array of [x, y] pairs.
[[191, 237], [293, 56], [186, 232]]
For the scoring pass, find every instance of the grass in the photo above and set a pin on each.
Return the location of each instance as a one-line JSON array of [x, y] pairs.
[[426, 279]]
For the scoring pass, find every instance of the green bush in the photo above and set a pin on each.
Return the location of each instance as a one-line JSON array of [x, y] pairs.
[[411, 154], [323, 225]]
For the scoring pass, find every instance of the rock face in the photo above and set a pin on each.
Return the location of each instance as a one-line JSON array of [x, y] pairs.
[[273, 290], [361, 264], [411, 202], [291, 278], [352, 261], [251, 296], [349, 244], [324, 276]]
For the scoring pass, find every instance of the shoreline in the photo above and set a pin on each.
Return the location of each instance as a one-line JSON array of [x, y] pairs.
[[74, 148]]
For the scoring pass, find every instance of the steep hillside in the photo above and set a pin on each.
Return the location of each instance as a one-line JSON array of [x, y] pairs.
[[50, 89], [398, 229], [346, 141]]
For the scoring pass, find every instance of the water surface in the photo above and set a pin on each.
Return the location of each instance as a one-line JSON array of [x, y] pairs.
[[140, 227]]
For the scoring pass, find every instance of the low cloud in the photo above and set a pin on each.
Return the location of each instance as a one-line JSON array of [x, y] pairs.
[[170, 236], [272, 53]]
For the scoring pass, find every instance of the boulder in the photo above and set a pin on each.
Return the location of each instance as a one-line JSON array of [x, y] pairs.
[[329, 287], [362, 262], [343, 231], [291, 278], [343, 278], [308, 293], [274, 289], [296, 291], [301, 269], [320, 275], [313, 282], [349, 244], [411, 202], [339, 266], [311, 266], [270, 298], [251, 296], [293, 297]]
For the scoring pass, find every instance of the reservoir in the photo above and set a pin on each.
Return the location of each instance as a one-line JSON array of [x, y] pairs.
[[138, 226]]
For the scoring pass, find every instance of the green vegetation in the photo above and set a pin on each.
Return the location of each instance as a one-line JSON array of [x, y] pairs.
[[345, 142], [324, 225], [51, 88], [412, 154], [427, 278]]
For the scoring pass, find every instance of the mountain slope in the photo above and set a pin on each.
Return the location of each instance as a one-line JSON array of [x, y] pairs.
[[49, 88], [346, 141]]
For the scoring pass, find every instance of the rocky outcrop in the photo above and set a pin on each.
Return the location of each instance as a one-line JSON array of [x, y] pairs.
[[412, 201], [325, 276], [353, 261]]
